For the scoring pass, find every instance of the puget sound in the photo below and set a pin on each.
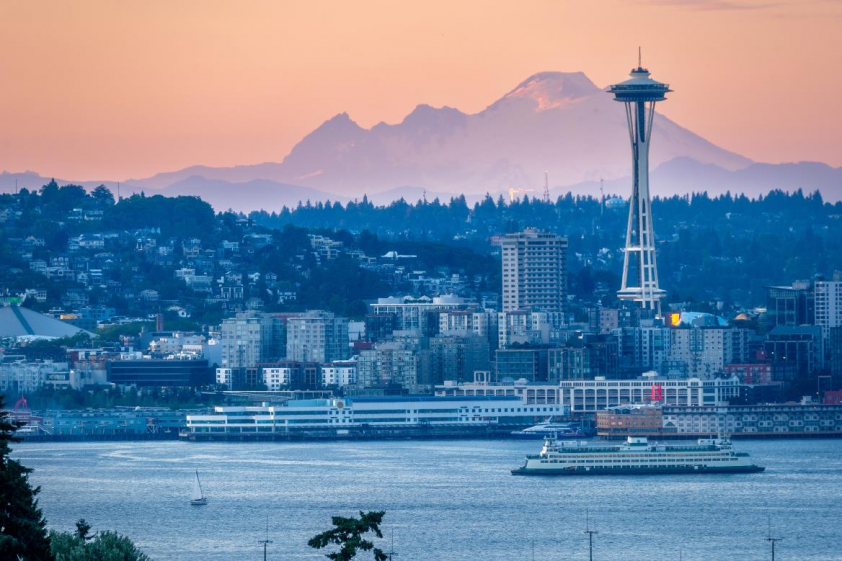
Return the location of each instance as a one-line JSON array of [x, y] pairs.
[[449, 500]]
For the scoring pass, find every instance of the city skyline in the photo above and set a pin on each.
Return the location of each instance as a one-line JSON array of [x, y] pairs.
[[138, 90]]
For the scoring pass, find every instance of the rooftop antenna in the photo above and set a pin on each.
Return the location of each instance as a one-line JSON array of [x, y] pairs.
[[590, 534], [265, 543], [639, 58], [772, 540], [546, 187]]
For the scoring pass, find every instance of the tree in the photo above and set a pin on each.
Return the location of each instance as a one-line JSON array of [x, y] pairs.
[[23, 533], [83, 530], [347, 533], [104, 546], [103, 196]]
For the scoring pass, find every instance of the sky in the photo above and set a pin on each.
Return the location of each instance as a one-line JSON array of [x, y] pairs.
[[116, 90]]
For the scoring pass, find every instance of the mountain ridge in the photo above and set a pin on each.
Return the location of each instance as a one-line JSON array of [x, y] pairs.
[[556, 121]]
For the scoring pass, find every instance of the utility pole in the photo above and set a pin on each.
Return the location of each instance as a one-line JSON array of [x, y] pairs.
[[590, 534], [392, 547], [772, 540], [265, 543]]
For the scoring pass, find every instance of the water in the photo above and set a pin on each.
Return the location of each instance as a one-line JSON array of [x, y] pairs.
[[452, 500]]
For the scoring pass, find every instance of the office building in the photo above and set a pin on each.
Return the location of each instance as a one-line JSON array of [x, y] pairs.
[[522, 364], [800, 348], [790, 306]]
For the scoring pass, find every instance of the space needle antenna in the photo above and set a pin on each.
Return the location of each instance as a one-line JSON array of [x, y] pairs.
[[639, 58]]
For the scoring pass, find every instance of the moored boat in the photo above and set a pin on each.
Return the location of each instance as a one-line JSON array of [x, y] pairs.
[[637, 456], [545, 430]]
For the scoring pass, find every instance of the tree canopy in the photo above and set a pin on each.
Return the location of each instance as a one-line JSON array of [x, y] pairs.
[[348, 535], [23, 530]]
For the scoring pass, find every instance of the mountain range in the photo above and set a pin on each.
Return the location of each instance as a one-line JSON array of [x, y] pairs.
[[559, 123]]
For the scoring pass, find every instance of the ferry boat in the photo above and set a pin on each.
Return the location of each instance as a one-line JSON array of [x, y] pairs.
[[637, 456]]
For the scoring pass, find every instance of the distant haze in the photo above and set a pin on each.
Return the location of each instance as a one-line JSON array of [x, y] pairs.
[[102, 90], [553, 122]]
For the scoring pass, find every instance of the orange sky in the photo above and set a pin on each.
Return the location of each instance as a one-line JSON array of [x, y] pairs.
[[113, 90]]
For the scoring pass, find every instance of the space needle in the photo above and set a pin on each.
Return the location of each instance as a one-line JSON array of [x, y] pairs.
[[640, 270]]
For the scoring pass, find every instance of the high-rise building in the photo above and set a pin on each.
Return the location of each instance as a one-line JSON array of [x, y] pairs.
[[828, 305], [704, 352], [391, 363], [798, 347], [317, 336], [457, 358], [529, 364], [522, 327], [643, 349], [585, 358], [244, 340], [534, 271], [640, 271], [790, 306]]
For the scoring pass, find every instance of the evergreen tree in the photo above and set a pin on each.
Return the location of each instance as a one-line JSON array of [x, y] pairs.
[[347, 533], [83, 530], [23, 534]]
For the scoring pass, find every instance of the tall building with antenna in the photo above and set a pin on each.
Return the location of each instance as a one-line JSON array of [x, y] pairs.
[[640, 271]]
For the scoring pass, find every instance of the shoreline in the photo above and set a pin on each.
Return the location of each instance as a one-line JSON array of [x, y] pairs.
[[403, 434]]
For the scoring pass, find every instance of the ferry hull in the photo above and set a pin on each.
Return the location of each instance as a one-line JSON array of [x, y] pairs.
[[638, 471]]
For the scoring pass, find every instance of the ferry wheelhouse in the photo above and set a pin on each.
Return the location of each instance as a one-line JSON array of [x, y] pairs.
[[637, 456]]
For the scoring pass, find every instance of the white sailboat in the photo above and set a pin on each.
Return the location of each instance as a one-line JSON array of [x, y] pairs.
[[198, 498]]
